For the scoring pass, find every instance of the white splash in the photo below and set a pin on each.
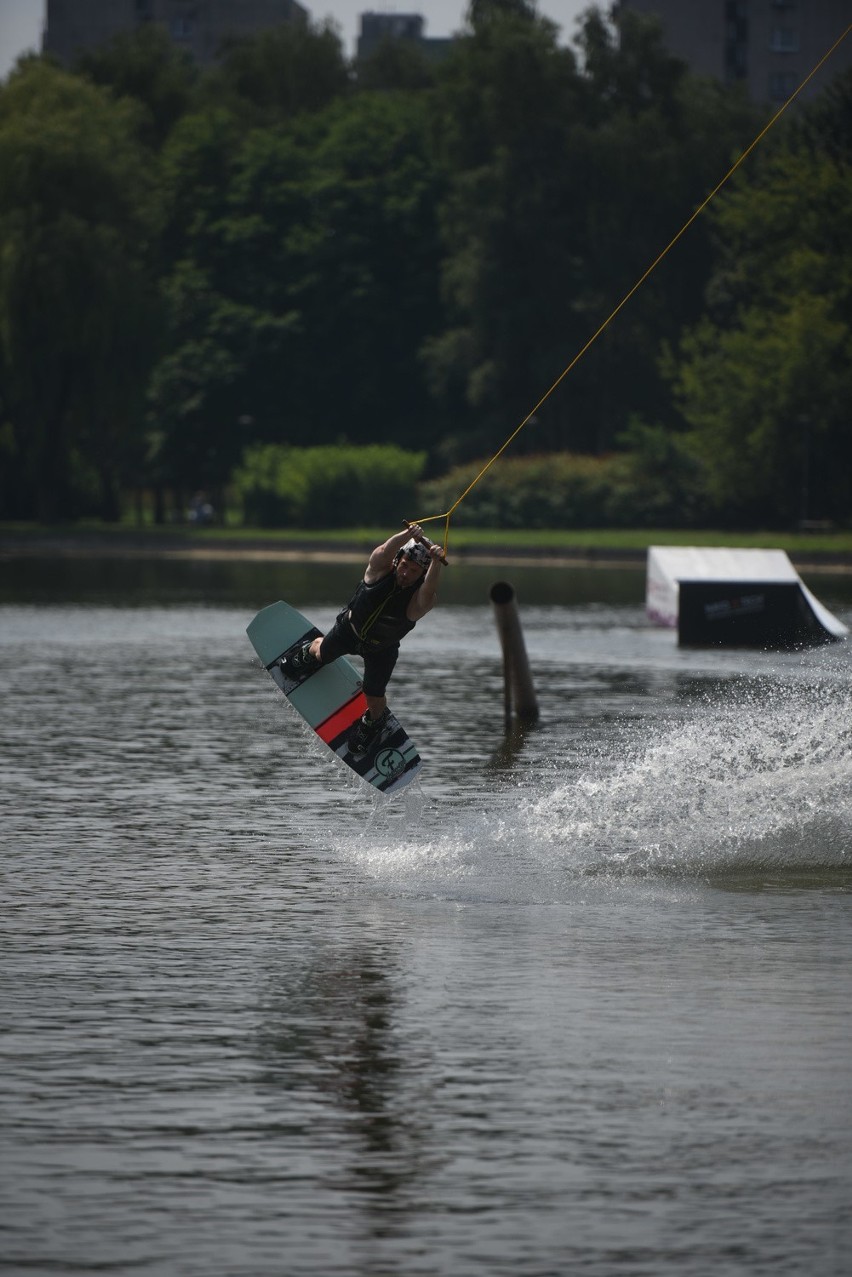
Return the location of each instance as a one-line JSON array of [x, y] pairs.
[[763, 778], [759, 779]]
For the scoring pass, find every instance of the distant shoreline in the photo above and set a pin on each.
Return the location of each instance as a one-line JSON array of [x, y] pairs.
[[97, 544]]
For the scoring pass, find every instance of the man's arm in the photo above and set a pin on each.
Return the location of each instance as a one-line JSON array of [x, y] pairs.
[[427, 596], [381, 560]]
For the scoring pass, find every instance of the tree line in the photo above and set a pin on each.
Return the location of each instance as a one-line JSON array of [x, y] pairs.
[[287, 252]]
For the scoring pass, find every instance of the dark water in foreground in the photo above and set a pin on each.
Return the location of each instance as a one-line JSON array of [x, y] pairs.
[[579, 1003]]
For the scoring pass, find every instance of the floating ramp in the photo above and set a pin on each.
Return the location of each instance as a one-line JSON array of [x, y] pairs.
[[735, 598]]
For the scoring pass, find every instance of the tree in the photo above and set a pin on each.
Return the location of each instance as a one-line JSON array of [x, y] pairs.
[[563, 186], [396, 65], [77, 315], [280, 73], [481, 12], [223, 330], [362, 269], [508, 228], [302, 286], [147, 67], [764, 381]]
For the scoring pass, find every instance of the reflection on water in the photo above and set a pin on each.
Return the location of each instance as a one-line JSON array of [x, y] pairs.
[[229, 582], [355, 1060], [578, 1002], [142, 582]]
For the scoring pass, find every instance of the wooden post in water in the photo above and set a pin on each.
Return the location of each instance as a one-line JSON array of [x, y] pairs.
[[518, 690]]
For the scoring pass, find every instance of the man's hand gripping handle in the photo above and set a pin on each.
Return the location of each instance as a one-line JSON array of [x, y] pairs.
[[419, 535]]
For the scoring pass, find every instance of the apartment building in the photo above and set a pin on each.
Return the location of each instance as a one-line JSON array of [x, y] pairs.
[[769, 45], [376, 27], [199, 26]]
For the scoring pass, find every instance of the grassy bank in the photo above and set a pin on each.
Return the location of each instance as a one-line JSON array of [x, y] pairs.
[[469, 540]]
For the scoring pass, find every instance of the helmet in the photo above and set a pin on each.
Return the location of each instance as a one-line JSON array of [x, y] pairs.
[[417, 552]]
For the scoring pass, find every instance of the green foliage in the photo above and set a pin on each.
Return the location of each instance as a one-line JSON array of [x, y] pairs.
[[396, 65], [655, 481], [506, 97], [563, 185], [561, 490], [481, 12], [196, 263], [303, 281], [147, 67], [556, 491], [655, 484], [273, 76], [77, 313], [327, 487], [764, 381]]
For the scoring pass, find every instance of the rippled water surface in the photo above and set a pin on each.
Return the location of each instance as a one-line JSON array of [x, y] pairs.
[[579, 1002]]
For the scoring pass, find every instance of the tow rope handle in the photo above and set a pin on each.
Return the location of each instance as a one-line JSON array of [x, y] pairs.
[[426, 541]]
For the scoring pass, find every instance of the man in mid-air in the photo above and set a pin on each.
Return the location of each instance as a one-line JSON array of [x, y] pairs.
[[398, 588]]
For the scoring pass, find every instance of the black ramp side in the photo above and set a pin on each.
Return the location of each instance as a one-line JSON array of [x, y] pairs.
[[764, 614]]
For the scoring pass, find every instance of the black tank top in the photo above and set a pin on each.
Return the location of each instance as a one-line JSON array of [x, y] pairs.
[[378, 611]]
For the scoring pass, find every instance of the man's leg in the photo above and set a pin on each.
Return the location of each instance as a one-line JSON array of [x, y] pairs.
[[339, 641], [378, 666], [324, 648], [376, 705]]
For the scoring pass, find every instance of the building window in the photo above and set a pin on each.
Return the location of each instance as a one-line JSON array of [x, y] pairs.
[[784, 40], [736, 41], [181, 28], [781, 85], [403, 27]]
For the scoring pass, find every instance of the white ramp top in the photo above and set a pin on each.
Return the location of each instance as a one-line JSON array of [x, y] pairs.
[[669, 565]]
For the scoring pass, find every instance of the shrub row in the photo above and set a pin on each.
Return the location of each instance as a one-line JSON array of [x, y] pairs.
[[567, 490], [328, 487], [655, 485]]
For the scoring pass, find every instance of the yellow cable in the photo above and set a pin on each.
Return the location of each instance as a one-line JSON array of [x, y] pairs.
[[701, 207]]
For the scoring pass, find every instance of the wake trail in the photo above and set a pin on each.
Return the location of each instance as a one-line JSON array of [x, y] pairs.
[[757, 778]]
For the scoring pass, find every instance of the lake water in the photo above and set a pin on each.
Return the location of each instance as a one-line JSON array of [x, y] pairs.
[[579, 1002]]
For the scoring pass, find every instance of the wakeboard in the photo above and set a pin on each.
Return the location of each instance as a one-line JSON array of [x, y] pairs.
[[330, 700]]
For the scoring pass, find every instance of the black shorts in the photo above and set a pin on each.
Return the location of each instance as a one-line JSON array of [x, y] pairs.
[[341, 640]]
